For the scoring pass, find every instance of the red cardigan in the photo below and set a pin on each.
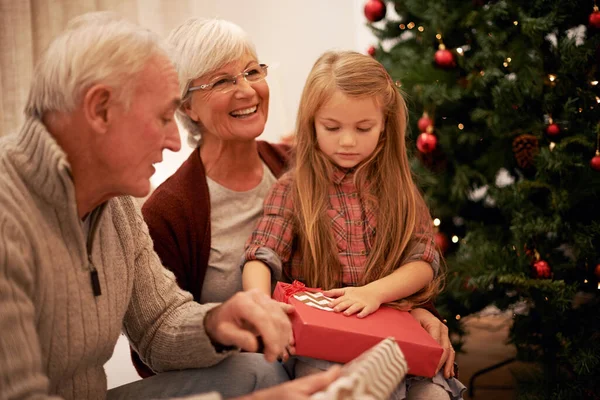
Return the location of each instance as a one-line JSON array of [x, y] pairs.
[[178, 218]]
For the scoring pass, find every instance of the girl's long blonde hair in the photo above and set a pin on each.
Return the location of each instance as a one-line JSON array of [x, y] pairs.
[[384, 180]]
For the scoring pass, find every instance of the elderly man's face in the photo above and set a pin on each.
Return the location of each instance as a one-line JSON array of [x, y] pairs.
[[141, 133], [240, 114]]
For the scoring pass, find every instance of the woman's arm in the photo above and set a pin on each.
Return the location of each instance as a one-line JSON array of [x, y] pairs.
[[439, 332], [257, 275]]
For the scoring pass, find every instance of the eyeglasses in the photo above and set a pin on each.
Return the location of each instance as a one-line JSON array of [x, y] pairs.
[[224, 84]]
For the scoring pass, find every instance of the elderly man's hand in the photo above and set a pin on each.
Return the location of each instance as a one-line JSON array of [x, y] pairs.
[[439, 332], [298, 389], [247, 315]]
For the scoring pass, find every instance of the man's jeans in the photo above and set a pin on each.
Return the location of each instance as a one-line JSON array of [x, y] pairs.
[[237, 375]]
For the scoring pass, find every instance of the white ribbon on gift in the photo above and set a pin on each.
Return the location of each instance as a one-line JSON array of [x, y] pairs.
[[314, 299]]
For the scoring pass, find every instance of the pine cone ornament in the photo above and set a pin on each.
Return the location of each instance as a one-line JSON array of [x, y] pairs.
[[526, 147]]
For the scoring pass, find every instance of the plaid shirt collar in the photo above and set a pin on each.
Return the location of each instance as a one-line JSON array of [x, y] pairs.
[[340, 174]]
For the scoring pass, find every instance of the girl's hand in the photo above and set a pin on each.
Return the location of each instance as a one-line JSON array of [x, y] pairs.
[[352, 300]]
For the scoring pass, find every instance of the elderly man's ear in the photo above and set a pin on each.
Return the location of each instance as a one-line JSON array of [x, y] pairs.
[[98, 107]]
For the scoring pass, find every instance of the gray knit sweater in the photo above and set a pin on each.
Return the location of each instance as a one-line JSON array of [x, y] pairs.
[[55, 334]]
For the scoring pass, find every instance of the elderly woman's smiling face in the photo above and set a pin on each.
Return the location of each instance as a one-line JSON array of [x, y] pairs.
[[238, 114]]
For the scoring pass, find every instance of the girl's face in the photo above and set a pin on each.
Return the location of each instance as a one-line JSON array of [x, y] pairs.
[[348, 128]]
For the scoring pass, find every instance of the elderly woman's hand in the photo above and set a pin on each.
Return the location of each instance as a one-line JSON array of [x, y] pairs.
[[439, 332]]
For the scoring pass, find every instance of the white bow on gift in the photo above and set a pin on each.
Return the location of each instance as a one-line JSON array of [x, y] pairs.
[[372, 376]]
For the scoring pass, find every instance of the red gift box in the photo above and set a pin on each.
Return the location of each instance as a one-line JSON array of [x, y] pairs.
[[335, 337]]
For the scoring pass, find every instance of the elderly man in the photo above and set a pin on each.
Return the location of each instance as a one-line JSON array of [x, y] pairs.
[[77, 265]]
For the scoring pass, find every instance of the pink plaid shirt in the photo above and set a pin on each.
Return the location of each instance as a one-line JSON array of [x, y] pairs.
[[353, 227]]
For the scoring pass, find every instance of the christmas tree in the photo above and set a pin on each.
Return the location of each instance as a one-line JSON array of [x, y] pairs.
[[505, 115]]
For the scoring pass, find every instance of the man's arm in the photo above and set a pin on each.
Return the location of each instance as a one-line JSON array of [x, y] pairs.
[[163, 323], [171, 331], [21, 372]]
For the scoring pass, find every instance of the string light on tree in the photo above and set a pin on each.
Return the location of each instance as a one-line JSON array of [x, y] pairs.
[[372, 51], [375, 10]]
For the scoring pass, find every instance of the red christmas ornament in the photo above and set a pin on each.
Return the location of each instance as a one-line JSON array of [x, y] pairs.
[[441, 241], [426, 142], [372, 51], [597, 271], [444, 58], [595, 161], [595, 18], [541, 270], [424, 123], [375, 10], [552, 130]]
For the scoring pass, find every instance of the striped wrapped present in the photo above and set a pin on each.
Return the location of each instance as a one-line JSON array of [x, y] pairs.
[[372, 376]]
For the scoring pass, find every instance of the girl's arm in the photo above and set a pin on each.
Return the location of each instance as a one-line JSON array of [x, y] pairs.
[[257, 275], [364, 300], [403, 282], [270, 245]]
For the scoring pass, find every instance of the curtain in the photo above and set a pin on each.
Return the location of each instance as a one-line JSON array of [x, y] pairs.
[[26, 29]]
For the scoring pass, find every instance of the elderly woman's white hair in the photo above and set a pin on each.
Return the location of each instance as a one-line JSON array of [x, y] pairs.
[[200, 46], [95, 47]]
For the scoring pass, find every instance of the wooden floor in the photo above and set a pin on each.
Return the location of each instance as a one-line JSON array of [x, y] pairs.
[[486, 345]]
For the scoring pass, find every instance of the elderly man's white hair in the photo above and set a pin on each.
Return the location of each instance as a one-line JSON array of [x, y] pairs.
[[99, 47], [200, 46]]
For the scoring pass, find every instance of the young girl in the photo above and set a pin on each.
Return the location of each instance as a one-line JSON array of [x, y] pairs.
[[348, 217]]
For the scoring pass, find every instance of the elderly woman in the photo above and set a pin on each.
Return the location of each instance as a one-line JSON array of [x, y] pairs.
[[201, 217]]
